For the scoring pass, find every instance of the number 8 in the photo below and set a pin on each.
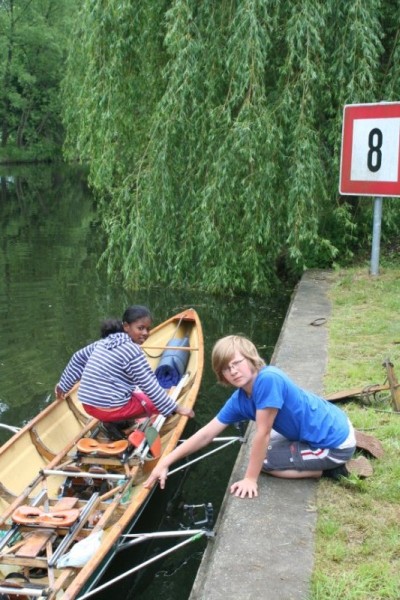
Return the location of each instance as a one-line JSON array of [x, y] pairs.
[[375, 150]]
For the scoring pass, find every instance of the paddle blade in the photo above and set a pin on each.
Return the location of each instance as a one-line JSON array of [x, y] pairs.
[[136, 437], [154, 441]]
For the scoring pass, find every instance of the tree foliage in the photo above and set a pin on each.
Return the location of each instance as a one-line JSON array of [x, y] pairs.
[[33, 40], [213, 132]]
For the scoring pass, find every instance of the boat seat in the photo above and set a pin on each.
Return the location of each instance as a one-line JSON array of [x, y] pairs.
[[90, 446], [35, 543], [37, 516]]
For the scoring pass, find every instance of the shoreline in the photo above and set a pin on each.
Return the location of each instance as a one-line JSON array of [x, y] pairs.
[[264, 547]]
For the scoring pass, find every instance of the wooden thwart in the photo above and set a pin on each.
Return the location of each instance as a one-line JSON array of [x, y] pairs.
[[35, 543], [187, 348]]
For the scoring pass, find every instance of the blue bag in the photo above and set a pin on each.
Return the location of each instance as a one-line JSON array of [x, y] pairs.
[[173, 363]]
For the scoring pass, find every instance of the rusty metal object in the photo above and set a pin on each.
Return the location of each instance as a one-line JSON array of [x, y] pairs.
[[393, 384], [363, 391]]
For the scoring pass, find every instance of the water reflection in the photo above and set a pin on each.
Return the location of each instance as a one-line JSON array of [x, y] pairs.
[[45, 222], [52, 299]]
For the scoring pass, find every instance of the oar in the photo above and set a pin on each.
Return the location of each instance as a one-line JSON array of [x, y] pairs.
[[149, 435], [10, 428], [195, 535], [137, 436], [146, 445]]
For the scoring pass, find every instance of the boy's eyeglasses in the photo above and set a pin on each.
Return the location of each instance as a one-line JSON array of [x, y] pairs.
[[233, 365]]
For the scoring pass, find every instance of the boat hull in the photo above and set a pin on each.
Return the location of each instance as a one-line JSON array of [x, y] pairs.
[[33, 466]]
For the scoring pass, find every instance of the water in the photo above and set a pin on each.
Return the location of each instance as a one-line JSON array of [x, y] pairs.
[[52, 299]]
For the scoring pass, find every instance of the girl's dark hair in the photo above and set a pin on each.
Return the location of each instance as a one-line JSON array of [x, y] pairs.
[[135, 312], [109, 326]]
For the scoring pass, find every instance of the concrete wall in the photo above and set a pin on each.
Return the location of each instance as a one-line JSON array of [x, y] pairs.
[[264, 546]]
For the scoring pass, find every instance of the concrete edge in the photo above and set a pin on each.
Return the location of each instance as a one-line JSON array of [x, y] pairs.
[[271, 538]]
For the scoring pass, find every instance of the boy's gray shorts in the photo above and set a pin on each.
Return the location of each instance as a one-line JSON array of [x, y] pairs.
[[282, 455]]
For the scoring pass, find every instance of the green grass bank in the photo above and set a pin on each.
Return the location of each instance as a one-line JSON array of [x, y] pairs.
[[358, 534]]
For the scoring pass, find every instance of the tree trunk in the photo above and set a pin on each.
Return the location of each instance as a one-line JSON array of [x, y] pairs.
[[21, 127]]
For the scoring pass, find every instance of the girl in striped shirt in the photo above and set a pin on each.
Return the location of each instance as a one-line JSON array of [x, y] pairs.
[[116, 381]]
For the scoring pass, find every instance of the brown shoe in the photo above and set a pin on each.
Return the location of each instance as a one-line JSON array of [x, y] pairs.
[[370, 444], [359, 466]]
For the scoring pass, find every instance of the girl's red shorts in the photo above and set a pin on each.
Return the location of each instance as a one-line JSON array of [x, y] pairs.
[[139, 405]]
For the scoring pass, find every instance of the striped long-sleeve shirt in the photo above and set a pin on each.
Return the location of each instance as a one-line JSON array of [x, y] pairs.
[[110, 370]]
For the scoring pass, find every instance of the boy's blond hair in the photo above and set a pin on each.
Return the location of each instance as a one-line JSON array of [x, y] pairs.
[[224, 351]]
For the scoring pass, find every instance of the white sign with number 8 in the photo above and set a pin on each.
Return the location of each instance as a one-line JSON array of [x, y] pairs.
[[375, 150]]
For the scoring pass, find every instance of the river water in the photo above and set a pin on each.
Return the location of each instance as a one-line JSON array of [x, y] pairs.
[[52, 299]]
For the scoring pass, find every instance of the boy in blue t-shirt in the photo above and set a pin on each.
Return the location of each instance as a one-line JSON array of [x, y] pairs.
[[297, 434]]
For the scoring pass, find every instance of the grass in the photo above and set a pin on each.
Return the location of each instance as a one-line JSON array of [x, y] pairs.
[[358, 534]]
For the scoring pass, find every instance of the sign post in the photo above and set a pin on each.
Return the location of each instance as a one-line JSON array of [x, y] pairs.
[[376, 236], [370, 159]]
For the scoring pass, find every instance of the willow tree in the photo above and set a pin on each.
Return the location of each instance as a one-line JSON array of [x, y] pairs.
[[213, 132]]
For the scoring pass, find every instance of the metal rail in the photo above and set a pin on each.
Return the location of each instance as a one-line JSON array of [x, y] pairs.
[[227, 443], [10, 592], [195, 534], [10, 427], [84, 474], [69, 538]]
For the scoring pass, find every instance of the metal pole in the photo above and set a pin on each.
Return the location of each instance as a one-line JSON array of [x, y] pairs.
[[85, 474], [25, 592], [193, 538], [191, 462], [376, 236], [10, 427]]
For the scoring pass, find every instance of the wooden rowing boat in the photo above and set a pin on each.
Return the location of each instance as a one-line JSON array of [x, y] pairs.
[[56, 496]]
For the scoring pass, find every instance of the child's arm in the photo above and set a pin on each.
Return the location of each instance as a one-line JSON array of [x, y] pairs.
[[248, 486], [201, 438], [73, 371]]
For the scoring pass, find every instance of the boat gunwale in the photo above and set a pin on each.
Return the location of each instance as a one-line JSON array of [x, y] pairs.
[[131, 512], [129, 515]]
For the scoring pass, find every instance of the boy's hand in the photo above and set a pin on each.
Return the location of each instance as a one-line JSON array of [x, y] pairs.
[[245, 487]]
